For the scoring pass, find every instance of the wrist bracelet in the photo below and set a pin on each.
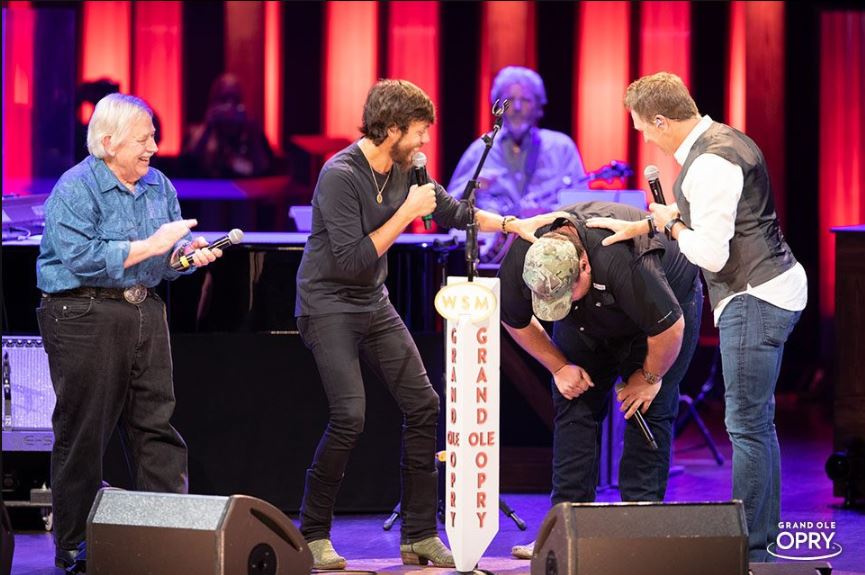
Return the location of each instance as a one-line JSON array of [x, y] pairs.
[[505, 221], [566, 364], [651, 378], [651, 221]]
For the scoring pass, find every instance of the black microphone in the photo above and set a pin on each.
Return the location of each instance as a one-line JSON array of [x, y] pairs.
[[499, 113], [641, 421], [653, 174], [421, 178], [184, 262]]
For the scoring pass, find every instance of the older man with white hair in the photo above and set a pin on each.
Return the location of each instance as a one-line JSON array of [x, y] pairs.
[[527, 165], [112, 230]]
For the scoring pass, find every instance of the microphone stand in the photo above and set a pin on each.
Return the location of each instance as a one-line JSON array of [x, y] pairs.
[[472, 245], [469, 192]]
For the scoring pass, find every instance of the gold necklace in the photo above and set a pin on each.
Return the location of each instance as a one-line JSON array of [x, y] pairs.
[[378, 197]]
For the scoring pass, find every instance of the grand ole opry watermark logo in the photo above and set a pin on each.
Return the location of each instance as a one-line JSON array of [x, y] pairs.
[[805, 541]]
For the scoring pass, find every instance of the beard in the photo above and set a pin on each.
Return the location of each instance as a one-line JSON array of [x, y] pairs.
[[521, 123], [401, 155], [516, 131]]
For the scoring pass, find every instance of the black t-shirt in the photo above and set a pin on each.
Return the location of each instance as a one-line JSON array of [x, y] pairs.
[[636, 285], [340, 271]]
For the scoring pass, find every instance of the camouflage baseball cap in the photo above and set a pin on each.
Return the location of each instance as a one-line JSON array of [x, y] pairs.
[[550, 270]]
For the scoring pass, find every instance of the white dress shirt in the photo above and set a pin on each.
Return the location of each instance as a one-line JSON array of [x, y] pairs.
[[713, 187]]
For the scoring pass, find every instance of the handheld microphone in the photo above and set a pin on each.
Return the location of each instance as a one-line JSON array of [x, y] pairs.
[[421, 178], [641, 421], [184, 262], [653, 174]]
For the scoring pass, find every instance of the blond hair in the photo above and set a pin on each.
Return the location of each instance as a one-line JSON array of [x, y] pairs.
[[661, 94]]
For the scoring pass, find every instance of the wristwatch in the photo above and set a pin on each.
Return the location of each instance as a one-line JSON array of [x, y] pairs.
[[668, 229], [650, 377]]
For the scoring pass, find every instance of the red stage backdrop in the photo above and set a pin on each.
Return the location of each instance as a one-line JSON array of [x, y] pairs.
[[842, 137]]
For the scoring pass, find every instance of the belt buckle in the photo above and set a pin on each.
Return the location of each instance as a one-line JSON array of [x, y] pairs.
[[135, 294]]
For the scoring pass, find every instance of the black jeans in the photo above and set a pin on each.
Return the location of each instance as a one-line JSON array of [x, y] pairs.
[[382, 341], [110, 364], [643, 472]]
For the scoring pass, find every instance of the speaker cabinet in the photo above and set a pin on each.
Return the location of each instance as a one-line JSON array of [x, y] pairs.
[[135, 533], [28, 396], [791, 568], [644, 538]]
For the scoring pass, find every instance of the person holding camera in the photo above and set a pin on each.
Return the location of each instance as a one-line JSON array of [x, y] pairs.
[[229, 144]]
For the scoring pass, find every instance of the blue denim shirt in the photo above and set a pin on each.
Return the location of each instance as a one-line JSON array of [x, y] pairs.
[[90, 221], [557, 165]]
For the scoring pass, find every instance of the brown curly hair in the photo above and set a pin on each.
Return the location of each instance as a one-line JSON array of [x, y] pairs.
[[394, 103]]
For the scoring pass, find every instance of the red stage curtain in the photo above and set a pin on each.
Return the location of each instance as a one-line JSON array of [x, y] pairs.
[[665, 46], [106, 50], [19, 21], [755, 100], [842, 137], [413, 54], [351, 64], [156, 74], [736, 68], [601, 125], [507, 39], [244, 51], [273, 98]]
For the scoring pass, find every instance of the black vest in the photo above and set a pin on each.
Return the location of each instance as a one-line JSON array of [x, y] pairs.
[[758, 251]]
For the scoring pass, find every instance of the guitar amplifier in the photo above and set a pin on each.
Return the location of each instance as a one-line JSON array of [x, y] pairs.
[[28, 396]]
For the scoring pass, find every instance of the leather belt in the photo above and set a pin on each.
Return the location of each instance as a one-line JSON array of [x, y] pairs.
[[134, 295]]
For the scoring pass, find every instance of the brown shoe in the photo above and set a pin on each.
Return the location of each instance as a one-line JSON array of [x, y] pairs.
[[324, 556], [429, 550]]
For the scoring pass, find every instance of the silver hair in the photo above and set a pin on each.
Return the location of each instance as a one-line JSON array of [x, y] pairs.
[[518, 74], [113, 116]]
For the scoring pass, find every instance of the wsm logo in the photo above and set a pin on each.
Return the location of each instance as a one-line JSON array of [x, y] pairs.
[[805, 541]]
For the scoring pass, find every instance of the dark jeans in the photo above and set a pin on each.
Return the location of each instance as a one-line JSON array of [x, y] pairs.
[[110, 364], [381, 340], [643, 472]]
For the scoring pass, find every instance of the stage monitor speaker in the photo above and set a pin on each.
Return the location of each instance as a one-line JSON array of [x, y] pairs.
[[644, 538], [133, 532], [788, 568]]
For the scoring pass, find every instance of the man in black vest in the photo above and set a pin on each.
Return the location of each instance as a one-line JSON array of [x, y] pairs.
[[724, 220]]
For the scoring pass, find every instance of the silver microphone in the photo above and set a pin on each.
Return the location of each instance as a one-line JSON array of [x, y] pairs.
[[184, 262]]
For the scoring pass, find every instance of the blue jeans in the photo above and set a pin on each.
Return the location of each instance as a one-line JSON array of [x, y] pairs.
[[643, 472], [380, 338], [753, 333], [111, 367]]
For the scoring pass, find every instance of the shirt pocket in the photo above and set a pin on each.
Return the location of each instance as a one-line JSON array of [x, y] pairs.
[[155, 222], [118, 229], [602, 299]]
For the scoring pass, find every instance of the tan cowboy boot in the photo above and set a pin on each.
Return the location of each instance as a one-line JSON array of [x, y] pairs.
[[324, 556], [429, 550]]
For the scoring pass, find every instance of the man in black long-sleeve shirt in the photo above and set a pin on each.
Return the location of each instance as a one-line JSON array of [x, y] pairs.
[[361, 204]]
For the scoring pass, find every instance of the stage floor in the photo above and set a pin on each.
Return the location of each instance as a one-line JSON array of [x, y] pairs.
[[806, 441]]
